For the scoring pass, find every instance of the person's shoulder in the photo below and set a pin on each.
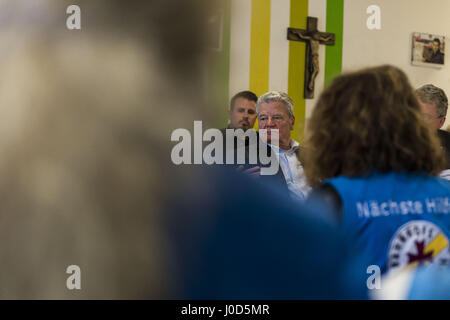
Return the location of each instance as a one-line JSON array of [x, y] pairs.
[[327, 196]]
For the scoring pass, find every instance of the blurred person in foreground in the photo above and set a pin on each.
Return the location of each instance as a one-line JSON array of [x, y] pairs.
[[258, 244], [374, 160], [87, 180], [83, 155]]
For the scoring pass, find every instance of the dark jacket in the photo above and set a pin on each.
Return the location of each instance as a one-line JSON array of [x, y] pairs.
[[444, 136], [276, 180], [437, 57]]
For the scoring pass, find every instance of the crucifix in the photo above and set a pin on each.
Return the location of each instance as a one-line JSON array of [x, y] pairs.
[[313, 39]]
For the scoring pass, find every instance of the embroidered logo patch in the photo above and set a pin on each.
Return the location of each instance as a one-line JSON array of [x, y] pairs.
[[418, 243]]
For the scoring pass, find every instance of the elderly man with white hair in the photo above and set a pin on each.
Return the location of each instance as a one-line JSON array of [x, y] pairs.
[[276, 112]]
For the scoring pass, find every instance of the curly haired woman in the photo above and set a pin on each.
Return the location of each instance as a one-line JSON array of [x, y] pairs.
[[375, 161]]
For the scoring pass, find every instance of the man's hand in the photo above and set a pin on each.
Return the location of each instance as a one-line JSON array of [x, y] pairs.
[[252, 172]]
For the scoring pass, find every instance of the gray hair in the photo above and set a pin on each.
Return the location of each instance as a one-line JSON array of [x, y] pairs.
[[432, 94], [277, 96]]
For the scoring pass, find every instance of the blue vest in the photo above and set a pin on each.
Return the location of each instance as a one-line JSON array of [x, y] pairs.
[[397, 220]]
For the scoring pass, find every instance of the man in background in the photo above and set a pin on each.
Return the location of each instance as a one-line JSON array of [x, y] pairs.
[[434, 105], [242, 115], [242, 111], [276, 112]]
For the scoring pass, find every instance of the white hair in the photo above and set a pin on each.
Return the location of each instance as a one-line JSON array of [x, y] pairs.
[[277, 96]]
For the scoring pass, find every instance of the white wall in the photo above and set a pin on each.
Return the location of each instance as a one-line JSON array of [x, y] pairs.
[[392, 44]]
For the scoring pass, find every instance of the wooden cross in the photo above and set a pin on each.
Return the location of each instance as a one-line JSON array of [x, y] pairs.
[[313, 39]]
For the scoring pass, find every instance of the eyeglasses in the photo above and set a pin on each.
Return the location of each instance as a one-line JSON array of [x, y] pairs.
[[275, 118]]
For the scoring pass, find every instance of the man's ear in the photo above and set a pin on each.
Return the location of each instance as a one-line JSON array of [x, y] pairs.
[[292, 122], [441, 122]]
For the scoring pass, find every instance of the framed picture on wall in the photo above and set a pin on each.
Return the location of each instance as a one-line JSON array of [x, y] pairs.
[[428, 50]]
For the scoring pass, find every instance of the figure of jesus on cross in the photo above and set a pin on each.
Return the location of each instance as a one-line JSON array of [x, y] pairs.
[[313, 39]]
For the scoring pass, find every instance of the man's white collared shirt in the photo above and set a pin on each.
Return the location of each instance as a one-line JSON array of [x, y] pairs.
[[293, 171]]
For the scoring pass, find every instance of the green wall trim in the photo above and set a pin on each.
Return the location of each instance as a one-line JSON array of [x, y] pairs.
[[333, 54]]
